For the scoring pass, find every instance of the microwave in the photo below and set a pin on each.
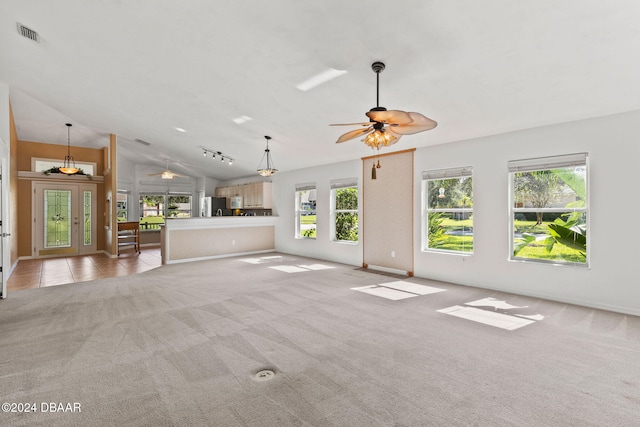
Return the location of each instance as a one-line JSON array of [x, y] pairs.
[[235, 202]]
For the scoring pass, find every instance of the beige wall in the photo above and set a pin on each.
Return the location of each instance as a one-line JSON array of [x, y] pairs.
[[387, 217], [109, 197], [212, 242], [150, 237]]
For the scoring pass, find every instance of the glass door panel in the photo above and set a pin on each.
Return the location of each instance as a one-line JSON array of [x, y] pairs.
[[57, 211]]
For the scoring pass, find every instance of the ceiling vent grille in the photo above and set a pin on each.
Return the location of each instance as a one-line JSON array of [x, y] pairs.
[[139, 141], [28, 33]]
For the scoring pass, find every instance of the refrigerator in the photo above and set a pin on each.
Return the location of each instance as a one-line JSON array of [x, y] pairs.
[[216, 206]]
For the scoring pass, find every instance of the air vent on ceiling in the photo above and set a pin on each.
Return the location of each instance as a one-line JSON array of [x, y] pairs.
[[28, 33], [139, 141]]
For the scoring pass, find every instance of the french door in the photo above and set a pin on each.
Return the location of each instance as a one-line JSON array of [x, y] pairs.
[[64, 220]]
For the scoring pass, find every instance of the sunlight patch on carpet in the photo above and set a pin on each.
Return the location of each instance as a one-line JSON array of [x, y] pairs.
[[317, 267], [492, 302], [491, 318], [388, 293], [413, 288], [397, 290], [290, 268]]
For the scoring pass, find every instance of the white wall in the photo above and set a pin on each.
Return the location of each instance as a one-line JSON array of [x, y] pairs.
[[612, 280], [322, 247]]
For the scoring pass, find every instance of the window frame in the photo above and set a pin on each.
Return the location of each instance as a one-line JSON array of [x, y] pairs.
[[164, 211], [340, 185], [188, 210], [438, 175], [546, 164], [300, 188], [122, 205]]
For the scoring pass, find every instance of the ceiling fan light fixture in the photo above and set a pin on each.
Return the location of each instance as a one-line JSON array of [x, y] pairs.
[[380, 138], [268, 169], [69, 166]]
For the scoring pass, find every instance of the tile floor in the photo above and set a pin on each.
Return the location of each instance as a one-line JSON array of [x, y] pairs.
[[38, 273]]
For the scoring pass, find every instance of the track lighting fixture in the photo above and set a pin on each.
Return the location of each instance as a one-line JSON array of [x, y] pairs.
[[218, 154]]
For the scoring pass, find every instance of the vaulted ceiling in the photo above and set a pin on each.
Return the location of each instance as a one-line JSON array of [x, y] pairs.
[[141, 69]]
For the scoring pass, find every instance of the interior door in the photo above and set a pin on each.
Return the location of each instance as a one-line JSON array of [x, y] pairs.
[[64, 221]]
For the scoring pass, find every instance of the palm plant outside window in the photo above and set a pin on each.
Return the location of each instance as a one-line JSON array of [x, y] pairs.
[[448, 213], [549, 209]]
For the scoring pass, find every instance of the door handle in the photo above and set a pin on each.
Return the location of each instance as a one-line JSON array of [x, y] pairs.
[[5, 234]]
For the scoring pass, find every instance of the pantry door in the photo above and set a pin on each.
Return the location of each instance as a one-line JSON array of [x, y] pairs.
[[64, 222]]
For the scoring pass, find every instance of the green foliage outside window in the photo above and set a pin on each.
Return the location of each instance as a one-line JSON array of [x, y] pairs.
[[555, 236], [347, 214]]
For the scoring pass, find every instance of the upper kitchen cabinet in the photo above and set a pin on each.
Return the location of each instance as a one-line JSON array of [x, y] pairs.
[[256, 195]]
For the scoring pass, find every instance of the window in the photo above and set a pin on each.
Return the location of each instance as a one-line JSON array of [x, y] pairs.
[[122, 201], [549, 209], [306, 211], [179, 205], [344, 210], [41, 165], [155, 207], [448, 212]]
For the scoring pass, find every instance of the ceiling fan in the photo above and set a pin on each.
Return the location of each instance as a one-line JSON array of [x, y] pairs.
[[386, 127], [168, 173]]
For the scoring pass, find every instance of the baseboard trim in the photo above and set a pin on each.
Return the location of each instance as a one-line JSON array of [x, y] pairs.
[[388, 270]]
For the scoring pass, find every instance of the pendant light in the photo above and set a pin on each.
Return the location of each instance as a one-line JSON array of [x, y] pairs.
[[268, 169], [69, 166]]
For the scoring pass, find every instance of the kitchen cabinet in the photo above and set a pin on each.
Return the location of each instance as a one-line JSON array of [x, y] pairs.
[[256, 195]]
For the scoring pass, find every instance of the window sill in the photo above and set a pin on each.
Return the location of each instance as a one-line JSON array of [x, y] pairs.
[[346, 242]]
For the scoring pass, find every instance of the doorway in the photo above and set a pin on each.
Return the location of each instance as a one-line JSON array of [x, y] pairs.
[[64, 222]]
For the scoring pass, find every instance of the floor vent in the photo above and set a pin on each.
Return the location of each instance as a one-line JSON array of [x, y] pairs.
[[28, 33], [139, 141], [264, 375]]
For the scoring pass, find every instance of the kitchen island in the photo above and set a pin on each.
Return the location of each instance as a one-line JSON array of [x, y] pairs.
[[195, 239]]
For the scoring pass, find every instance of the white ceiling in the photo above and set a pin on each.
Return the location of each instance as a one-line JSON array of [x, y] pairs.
[[139, 69]]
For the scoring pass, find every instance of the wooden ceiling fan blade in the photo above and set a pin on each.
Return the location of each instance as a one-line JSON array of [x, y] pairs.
[[396, 136], [420, 123], [397, 117], [353, 124], [354, 134]]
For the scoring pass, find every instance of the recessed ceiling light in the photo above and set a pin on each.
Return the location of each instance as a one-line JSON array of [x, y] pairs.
[[242, 119], [180, 130], [318, 79]]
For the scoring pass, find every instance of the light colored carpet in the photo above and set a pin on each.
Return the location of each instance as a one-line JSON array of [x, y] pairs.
[[179, 345]]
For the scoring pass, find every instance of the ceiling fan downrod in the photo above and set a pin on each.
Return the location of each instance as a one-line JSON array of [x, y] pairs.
[[378, 67]]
